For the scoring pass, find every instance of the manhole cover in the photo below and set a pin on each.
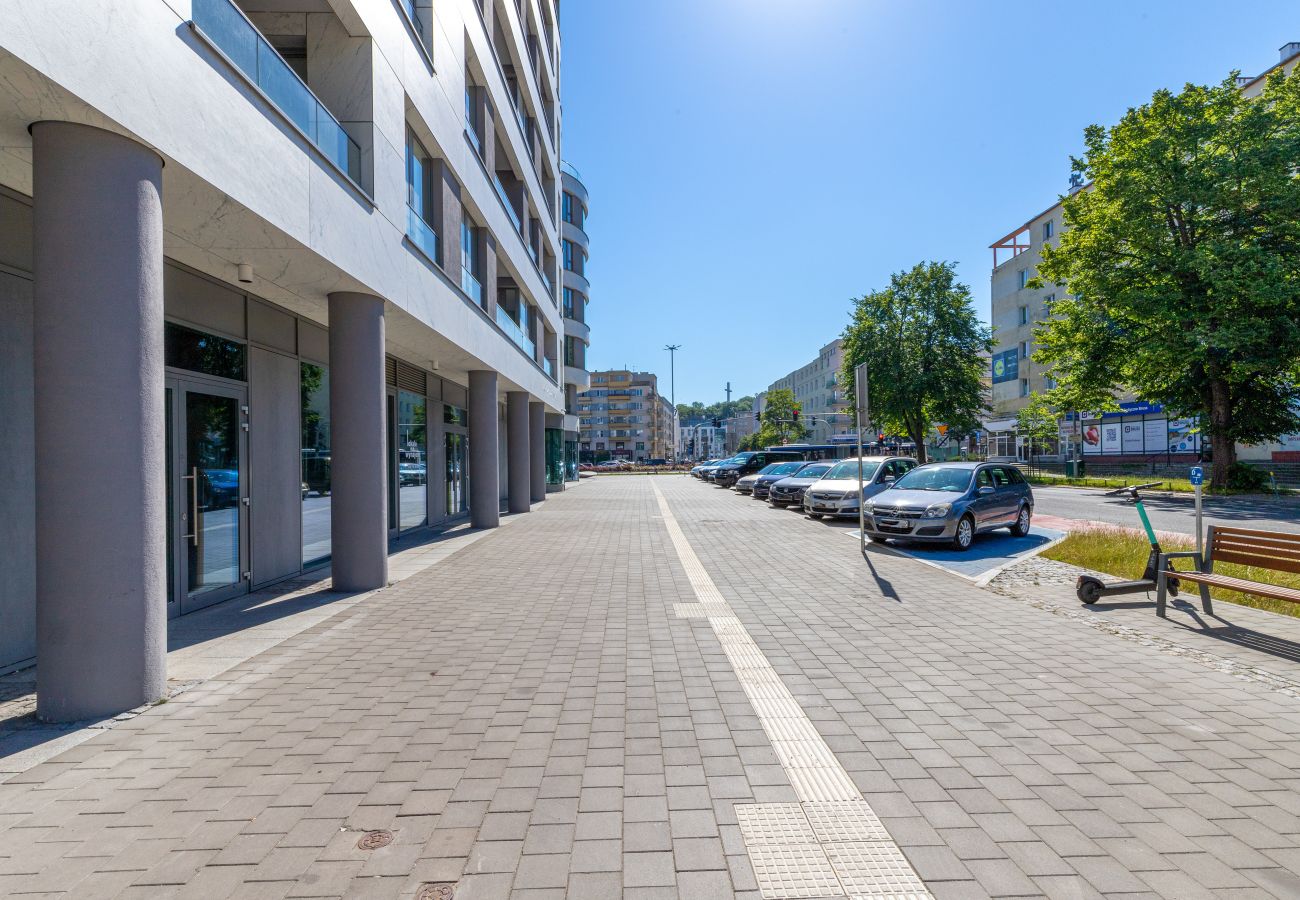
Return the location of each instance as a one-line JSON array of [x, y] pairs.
[[373, 840], [441, 891]]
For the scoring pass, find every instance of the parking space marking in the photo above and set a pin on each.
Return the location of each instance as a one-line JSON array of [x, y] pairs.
[[830, 843]]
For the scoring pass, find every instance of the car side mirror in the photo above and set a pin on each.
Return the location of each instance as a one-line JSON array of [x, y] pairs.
[[986, 490]]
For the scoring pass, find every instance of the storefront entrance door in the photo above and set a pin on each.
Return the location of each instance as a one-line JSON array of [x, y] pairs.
[[207, 494]]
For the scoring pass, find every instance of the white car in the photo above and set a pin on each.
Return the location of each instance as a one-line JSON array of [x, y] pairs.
[[836, 495]]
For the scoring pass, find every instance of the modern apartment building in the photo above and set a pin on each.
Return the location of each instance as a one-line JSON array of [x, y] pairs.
[[279, 281], [824, 408], [701, 440], [576, 292], [1142, 428], [623, 416]]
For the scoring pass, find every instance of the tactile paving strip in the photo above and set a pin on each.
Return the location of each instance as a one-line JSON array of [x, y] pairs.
[[831, 843], [794, 871]]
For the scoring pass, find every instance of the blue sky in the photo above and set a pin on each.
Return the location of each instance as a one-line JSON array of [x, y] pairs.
[[755, 164]]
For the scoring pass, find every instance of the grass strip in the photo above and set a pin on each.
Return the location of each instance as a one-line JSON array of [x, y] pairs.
[[1124, 555]]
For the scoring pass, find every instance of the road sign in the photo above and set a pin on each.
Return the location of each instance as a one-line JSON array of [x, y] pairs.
[[1198, 475]]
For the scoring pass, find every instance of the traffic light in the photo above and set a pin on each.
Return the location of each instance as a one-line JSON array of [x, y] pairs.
[[796, 417], [813, 421], [758, 416], [717, 423]]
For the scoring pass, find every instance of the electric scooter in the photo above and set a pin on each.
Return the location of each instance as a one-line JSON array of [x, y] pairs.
[[1090, 590]]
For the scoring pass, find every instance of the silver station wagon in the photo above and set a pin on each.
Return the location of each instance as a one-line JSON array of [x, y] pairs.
[[951, 502]]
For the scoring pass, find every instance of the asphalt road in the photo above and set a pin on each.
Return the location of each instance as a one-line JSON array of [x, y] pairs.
[[1170, 514]]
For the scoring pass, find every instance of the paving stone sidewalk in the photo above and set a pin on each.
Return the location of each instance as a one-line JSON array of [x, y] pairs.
[[529, 717]]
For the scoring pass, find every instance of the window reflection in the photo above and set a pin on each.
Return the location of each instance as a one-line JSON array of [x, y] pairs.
[[315, 383], [412, 453]]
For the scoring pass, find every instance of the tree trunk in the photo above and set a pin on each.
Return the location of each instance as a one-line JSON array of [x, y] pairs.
[[918, 438], [1221, 442]]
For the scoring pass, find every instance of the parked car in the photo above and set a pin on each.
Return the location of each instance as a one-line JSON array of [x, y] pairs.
[[706, 472], [749, 462], [410, 473], [837, 493], [951, 502], [746, 485], [697, 471], [790, 490], [765, 479]]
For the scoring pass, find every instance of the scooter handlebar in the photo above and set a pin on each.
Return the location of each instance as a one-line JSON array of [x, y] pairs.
[[1132, 489]]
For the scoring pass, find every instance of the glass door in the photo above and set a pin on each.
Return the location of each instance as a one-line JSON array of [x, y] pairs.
[[457, 474], [208, 495]]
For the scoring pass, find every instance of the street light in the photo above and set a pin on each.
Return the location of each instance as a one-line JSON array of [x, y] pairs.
[[672, 370]]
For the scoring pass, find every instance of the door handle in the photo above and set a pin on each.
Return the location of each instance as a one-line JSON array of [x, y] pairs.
[[193, 479]]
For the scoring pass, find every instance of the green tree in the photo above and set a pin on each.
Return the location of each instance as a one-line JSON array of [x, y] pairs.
[[778, 425], [1182, 264], [922, 342], [698, 412], [1038, 421]]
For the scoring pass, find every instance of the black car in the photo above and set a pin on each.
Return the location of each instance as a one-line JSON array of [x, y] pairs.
[[763, 483], [750, 462], [790, 490]]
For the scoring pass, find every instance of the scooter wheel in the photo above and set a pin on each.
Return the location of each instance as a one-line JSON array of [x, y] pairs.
[[1088, 589]]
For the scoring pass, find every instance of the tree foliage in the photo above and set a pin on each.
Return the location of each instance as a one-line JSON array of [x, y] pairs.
[[1038, 421], [1182, 264], [922, 342], [778, 425], [699, 412]]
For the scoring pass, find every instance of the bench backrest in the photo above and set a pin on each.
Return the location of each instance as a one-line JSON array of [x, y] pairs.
[[1276, 550]]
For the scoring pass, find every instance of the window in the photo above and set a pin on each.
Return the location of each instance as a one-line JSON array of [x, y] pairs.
[[568, 255], [198, 351], [1024, 349], [412, 472], [315, 386], [566, 206], [1024, 278], [1048, 301], [419, 198], [469, 258], [568, 304], [1024, 315], [1024, 387], [1048, 229], [471, 115]]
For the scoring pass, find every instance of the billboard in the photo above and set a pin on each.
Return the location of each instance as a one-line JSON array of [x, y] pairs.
[[1184, 436], [1111, 439], [1006, 366], [1132, 436], [1091, 437]]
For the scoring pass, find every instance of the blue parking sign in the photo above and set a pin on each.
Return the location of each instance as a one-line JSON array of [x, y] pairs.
[[1198, 475]]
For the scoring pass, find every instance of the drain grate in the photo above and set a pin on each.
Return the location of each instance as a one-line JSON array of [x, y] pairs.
[[373, 840], [442, 890]]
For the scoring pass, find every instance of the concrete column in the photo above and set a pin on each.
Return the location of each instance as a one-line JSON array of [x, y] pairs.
[[358, 468], [519, 473], [537, 449], [101, 503], [484, 475]]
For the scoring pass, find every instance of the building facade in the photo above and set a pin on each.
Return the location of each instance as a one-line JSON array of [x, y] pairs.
[[575, 294], [702, 440], [1141, 429], [623, 416], [824, 408], [279, 282]]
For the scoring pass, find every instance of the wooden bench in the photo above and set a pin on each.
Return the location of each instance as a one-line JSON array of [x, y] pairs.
[[1278, 551]]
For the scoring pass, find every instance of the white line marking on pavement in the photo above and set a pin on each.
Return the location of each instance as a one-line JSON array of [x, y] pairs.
[[830, 844]]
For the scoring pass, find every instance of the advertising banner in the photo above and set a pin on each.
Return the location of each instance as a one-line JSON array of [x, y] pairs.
[[1132, 436], [1155, 434], [1134, 408], [1182, 436], [1091, 437], [1006, 366], [1111, 441]]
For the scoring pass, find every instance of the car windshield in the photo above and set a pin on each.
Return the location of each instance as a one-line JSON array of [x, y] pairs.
[[816, 470], [788, 468], [769, 468], [936, 479], [849, 469]]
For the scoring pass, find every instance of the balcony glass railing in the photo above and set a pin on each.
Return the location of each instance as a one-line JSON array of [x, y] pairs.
[[222, 23], [409, 6], [548, 366], [511, 327], [510, 207], [470, 285], [421, 235]]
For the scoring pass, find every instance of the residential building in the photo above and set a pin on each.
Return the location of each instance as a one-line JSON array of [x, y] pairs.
[[1142, 428], [702, 440], [623, 416], [575, 294], [277, 278], [824, 407]]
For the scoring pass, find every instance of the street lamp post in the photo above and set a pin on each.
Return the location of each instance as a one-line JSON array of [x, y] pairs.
[[672, 382]]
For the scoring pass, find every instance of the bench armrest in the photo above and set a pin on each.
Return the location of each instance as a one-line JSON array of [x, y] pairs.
[[1182, 554]]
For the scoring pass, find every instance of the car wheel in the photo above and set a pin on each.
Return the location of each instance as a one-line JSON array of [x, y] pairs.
[[1021, 528], [812, 515], [965, 535]]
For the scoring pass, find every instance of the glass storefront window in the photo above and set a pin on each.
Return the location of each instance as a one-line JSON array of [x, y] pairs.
[[570, 460], [197, 351], [315, 384], [554, 456], [457, 474], [412, 460], [454, 415]]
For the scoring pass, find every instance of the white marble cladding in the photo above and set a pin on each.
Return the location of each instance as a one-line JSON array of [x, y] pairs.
[[242, 185]]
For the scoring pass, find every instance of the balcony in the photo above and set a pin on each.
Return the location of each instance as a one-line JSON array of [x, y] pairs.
[[515, 333], [421, 235], [224, 26], [505, 200], [548, 366], [470, 285]]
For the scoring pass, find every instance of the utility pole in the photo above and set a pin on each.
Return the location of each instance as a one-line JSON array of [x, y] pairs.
[[672, 370]]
